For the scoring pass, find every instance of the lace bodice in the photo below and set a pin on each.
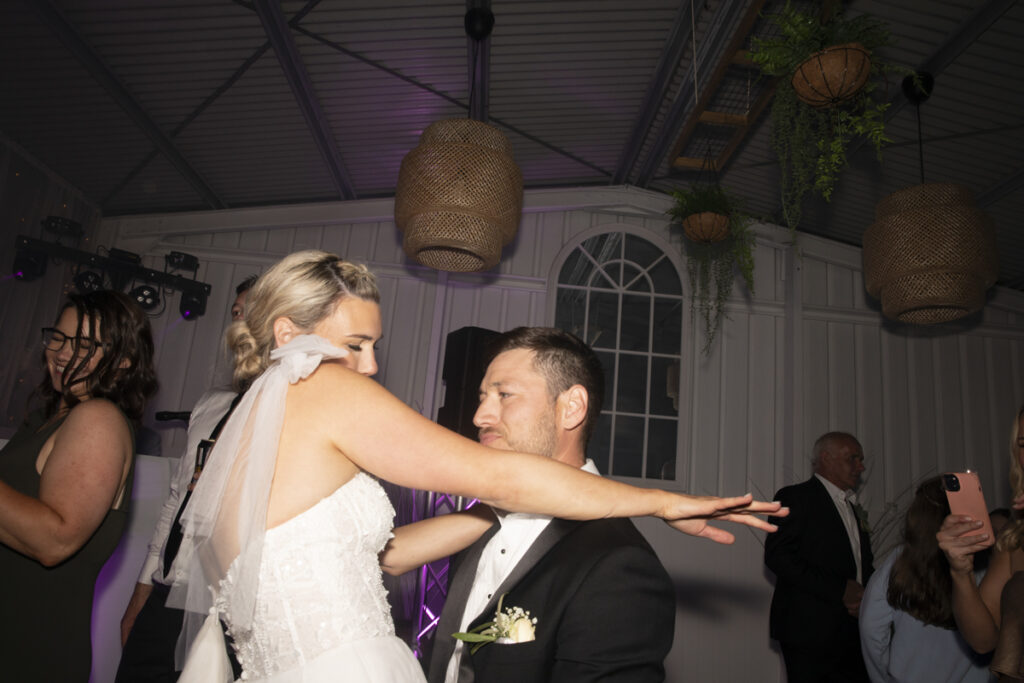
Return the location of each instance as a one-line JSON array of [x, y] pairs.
[[319, 583]]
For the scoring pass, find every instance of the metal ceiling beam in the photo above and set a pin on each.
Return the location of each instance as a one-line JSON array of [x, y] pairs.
[[210, 99], [1004, 186], [657, 90], [72, 40], [192, 116], [280, 36], [948, 50], [724, 18], [448, 98]]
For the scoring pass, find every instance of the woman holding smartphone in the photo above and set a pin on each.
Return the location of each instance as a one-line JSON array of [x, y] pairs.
[[990, 615]]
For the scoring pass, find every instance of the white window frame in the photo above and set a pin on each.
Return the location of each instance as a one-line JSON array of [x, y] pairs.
[[671, 253]]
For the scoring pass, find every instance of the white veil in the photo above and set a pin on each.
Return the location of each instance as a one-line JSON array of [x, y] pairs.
[[224, 523]]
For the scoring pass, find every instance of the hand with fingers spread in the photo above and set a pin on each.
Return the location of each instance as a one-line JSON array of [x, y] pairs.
[[691, 516]]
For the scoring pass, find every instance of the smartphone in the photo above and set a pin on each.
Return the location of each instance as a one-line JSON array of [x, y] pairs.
[[963, 491]]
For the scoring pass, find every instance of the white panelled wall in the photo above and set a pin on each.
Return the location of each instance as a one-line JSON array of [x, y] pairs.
[[807, 354]]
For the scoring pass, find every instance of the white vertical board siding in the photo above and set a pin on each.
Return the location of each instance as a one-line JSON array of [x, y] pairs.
[[807, 353], [921, 400]]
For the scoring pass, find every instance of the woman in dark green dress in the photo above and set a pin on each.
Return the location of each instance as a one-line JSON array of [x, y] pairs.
[[65, 484]]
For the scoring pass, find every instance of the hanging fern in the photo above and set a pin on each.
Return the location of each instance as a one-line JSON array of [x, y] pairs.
[[712, 267], [810, 143]]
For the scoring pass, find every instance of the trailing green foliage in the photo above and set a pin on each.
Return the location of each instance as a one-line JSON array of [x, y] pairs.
[[712, 266], [802, 34], [811, 143]]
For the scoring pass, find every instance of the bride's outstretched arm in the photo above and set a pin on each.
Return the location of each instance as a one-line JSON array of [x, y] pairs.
[[431, 539], [382, 435]]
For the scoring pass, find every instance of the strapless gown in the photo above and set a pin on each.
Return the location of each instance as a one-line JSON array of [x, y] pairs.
[[322, 612]]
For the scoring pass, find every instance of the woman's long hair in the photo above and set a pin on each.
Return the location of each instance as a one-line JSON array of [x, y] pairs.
[[1012, 535], [304, 287], [125, 374], [920, 583]]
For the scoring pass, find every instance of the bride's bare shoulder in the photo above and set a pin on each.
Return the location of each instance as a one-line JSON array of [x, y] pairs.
[[332, 379]]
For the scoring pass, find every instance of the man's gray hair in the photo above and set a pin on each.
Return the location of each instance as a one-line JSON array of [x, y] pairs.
[[826, 442]]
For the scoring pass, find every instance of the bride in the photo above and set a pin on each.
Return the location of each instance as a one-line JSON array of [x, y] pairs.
[[285, 530]]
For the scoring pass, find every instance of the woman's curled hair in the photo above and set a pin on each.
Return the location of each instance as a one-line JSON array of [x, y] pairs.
[[124, 374]]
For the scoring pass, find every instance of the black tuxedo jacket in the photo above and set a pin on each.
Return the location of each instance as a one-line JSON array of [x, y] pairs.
[[605, 609], [811, 557]]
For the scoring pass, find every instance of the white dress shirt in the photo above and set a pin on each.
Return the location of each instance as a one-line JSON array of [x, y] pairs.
[[843, 501], [207, 412], [500, 556]]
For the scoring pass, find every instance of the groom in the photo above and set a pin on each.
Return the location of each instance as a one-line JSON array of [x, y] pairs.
[[604, 606]]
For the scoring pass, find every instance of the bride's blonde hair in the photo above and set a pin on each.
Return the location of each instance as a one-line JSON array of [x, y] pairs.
[[1012, 535], [304, 287]]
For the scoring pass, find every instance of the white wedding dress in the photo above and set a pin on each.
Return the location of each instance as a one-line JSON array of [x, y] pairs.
[[321, 611], [303, 601]]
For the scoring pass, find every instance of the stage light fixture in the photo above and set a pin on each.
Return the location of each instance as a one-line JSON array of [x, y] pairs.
[[192, 304], [177, 260], [29, 264], [88, 281], [146, 296], [63, 227]]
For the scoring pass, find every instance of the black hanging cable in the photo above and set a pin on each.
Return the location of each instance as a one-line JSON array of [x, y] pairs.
[[918, 88], [472, 78]]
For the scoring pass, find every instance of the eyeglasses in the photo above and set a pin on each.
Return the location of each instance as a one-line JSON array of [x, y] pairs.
[[54, 340]]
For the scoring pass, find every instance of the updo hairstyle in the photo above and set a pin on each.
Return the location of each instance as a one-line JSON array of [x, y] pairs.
[[304, 287]]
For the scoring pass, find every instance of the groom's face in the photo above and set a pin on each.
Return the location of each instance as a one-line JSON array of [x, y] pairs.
[[516, 412]]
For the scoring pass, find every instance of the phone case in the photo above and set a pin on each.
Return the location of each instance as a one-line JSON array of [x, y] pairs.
[[964, 494]]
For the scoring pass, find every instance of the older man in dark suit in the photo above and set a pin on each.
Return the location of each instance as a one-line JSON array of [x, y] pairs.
[[821, 557], [604, 605]]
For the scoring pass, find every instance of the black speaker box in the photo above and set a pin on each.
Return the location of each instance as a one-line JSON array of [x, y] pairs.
[[465, 361]]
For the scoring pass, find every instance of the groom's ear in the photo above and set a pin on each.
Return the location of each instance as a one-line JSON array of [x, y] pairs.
[[572, 407]]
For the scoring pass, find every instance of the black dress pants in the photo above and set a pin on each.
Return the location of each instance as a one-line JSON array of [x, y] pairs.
[[148, 655], [836, 661]]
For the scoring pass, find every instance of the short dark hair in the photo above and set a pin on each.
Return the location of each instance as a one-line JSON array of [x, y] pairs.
[[246, 284], [564, 360], [126, 336]]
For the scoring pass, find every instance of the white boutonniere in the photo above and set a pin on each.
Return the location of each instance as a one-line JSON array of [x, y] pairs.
[[510, 625], [862, 518]]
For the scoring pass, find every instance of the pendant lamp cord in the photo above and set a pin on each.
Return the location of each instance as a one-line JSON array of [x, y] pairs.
[[472, 79], [920, 143]]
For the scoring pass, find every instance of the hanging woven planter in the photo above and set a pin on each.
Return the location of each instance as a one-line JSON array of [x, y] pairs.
[[459, 196], [832, 75], [930, 255], [706, 227]]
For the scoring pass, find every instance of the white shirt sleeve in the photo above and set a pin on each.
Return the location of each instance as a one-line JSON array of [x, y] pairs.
[[876, 622], [208, 410]]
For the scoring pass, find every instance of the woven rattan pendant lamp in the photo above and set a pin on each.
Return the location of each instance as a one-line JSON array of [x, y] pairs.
[[460, 193], [930, 255]]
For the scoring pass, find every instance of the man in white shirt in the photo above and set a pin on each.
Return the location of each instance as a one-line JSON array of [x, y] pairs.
[[821, 557], [149, 629], [603, 604]]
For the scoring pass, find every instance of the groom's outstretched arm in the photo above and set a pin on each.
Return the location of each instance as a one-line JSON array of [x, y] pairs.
[[619, 624]]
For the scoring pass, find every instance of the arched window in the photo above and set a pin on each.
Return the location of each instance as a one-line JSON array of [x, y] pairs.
[[622, 295]]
